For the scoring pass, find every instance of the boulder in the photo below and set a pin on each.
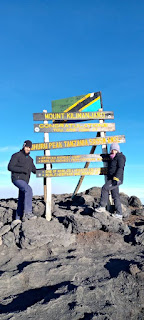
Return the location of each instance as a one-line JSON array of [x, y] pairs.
[[124, 199], [38, 208], [4, 229], [135, 202], [6, 215], [9, 239], [38, 232], [126, 211]]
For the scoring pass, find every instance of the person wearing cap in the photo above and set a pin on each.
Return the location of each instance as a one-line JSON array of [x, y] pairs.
[[21, 165], [115, 175]]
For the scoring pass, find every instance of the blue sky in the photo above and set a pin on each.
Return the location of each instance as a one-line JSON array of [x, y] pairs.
[[57, 49]]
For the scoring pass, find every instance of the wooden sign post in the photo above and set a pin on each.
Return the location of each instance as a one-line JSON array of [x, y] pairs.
[[47, 181], [71, 115], [104, 146]]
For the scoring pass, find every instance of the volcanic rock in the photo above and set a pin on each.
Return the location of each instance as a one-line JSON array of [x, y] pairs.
[[80, 265], [135, 202]]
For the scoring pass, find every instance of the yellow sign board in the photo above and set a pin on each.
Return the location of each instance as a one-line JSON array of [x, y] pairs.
[[74, 127], [72, 158], [70, 172], [73, 116], [77, 143]]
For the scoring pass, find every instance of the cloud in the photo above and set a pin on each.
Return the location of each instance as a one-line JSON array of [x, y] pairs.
[[133, 191], [9, 148], [9, 191], [135, 166], [3, 164], [4, 172]]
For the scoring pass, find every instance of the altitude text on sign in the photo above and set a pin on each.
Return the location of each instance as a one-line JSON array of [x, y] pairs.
[[70, 172], [77, 143], [73, 115], [74, 127], [72, 158]]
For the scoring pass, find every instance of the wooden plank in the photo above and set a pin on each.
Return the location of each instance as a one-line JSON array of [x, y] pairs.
[[78, 143], [74, 127], [73, 116], [72, 158], [70, 172]]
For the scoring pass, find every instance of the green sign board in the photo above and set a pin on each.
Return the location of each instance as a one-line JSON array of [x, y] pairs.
[[83, 103]]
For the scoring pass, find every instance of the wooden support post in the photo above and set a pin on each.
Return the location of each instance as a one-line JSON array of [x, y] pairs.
[[47, 181], [86, 166], [105, 151]]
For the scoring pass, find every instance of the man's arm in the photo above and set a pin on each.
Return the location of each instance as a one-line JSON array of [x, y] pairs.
[[14, 166], [33, 168]]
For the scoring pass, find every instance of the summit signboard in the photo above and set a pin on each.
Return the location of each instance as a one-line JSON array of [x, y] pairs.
[[71, 115]]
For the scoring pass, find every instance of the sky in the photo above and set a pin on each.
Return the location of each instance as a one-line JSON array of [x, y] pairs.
[[54, 49]]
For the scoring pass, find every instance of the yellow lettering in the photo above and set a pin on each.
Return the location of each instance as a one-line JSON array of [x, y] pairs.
[[68, 115], [78, 115], [60, 144], [58, 115], [47, 116], [53, 145]]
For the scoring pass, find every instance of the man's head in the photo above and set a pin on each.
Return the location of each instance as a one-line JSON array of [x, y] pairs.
[[114, 148], [27, 146]]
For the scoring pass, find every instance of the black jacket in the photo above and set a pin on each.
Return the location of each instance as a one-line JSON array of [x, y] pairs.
[[116, 167], [21, 166]]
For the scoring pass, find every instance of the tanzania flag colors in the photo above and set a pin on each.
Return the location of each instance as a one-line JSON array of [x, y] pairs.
[[84, 103]]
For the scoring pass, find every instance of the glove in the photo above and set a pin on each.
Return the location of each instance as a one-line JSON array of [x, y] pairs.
[[115, 181]]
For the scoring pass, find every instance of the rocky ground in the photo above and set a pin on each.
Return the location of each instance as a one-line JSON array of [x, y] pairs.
[[80, 265]]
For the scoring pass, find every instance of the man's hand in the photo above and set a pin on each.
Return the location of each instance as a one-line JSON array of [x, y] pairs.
[[114, 183]]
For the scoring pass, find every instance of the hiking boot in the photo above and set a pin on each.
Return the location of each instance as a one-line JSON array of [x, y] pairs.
[[117, 216], [100, 209], [28, 216]]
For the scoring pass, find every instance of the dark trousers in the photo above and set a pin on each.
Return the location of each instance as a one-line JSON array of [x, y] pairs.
[[25, 197], [115, 195]]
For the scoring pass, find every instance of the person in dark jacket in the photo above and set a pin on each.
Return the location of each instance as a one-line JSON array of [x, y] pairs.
[[21, 165], [114, 180]]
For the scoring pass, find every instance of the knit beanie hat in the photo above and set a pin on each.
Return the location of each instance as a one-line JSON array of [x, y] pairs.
[[27, 143], [115, 146]]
